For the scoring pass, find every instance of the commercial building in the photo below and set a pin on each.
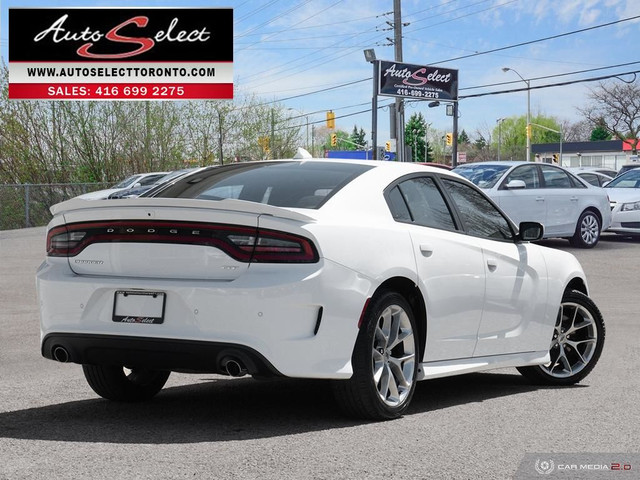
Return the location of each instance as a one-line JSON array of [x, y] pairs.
[[607, 153]]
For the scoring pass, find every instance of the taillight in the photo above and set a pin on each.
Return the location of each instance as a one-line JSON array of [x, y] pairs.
[[62, 243], [271, 246], [245, 244]]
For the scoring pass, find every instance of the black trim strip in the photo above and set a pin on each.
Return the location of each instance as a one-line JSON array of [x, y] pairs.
[[156, 353]]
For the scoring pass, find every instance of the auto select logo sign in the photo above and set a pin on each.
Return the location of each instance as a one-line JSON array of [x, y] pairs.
[[417, 81], [120, 53]]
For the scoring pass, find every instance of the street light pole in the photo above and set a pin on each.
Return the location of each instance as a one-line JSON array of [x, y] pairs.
[[306, 145], [414, 154], [370, 56], [426, 148], [500, 120], [528, 82]]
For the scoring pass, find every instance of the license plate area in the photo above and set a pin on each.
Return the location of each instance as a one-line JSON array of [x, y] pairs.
[[137, 306]]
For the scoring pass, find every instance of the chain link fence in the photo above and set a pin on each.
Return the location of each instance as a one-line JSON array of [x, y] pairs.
[[27, 205]]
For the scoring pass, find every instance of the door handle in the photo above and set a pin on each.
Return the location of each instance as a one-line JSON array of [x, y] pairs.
[[539, 199], [426, 250], [492, 265]]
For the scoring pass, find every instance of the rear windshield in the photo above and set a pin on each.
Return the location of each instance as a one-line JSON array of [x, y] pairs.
[[282, 184]]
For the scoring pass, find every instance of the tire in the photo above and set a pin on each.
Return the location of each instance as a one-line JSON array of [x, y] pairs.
[[576, 345], [587, 232], [118, 384], [384, 362]]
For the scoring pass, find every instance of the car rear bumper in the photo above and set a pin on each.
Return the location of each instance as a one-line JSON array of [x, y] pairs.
[[294, 320], [155, 353]]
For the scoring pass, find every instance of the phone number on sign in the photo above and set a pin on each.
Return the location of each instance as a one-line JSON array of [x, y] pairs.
[[116, 91], [405, 92]]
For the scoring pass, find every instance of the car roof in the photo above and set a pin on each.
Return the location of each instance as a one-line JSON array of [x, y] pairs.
[[496, 162], [409, 167]]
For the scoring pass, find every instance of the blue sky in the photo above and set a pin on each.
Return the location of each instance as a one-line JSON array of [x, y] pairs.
[[298, 48]]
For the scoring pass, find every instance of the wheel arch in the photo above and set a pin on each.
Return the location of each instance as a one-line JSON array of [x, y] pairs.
[[597, 212], [410, 291], [577, 284]]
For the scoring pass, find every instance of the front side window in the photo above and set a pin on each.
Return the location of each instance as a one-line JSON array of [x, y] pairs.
[[480, 217], [527, 173]]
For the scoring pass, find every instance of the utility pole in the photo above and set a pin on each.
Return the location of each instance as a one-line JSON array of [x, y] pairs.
[[397, 42]]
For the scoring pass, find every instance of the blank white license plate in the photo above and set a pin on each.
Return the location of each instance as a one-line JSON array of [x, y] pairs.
[[133, 306]]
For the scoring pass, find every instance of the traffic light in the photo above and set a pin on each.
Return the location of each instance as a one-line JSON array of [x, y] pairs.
[[387, 146], [556, 157], [334, 140], [529, 130], [449, 139], [264, 143], [331, 119]]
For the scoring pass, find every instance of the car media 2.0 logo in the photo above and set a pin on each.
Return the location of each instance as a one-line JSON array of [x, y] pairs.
[[544, 467]]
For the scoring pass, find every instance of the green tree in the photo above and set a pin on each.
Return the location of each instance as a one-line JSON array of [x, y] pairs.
[[358, 138], [414, 136], [600, 133], [463, 138], [512, 135]]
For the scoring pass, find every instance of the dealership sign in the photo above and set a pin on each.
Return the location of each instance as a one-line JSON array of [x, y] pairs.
[[417, 81], [120, 53]]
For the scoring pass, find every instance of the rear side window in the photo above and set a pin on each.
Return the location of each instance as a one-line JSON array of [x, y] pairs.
[[419, 201], [282, 184], [556, 178], [591, 178]]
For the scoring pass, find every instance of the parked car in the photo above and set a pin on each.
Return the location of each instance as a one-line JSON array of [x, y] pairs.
[[372, 274], [624, 193], [566, 206], [133, 181], [134, 192], [592, 177], [627, 167], [603, 170]]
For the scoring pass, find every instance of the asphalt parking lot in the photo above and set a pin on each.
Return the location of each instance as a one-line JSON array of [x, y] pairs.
[[207, 426]]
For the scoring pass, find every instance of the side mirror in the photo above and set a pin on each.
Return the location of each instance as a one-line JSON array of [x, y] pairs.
[[530, 231], [136, 185], [516, 185]]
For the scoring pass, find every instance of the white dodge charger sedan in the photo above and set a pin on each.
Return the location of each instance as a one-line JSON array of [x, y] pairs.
[[371, 274]]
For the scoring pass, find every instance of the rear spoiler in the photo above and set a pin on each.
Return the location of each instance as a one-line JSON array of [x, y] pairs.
[[77, 204]]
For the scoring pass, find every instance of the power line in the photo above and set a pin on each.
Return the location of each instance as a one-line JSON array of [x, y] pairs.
[[260, 76], [257, 10], [464, 16], [499, 92], [551, 85], [530, 42], [557, 75], [332, 24]]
